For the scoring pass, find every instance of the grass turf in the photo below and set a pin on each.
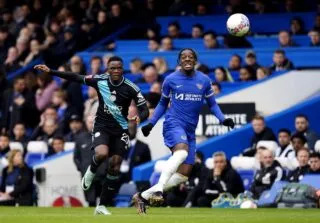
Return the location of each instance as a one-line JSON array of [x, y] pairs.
[[158, 215]]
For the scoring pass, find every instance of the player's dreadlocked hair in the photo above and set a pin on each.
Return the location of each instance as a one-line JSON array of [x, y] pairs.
[[193, 52]]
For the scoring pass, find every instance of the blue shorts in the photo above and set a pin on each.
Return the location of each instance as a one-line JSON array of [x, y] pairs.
[[174, 134]]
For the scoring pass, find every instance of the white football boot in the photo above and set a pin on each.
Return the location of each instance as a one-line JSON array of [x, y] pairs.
[[87, 179], [101, 210]]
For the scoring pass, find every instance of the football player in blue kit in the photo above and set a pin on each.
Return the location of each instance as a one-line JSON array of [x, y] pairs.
[[186, 90]]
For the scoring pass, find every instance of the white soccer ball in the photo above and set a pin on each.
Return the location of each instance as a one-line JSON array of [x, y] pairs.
[[238, 24], [248, 204]]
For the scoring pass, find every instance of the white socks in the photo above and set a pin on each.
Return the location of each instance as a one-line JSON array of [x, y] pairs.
[[175, 180], [172, 165]]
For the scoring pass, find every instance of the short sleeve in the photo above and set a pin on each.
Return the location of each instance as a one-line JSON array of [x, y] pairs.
[[166, 88], [208, 90]]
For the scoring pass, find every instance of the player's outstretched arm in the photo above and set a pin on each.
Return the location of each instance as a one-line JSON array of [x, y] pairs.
[[65, 75], [215, 109], [158, 112]]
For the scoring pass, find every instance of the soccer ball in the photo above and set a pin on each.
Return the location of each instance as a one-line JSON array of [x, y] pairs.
[[238, 24], [248, 204]]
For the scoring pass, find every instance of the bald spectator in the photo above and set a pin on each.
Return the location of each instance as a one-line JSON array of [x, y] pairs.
[[166, 44], [270, 172], [261, 132], [197, 31], [302, 127], [303, 168], [285, 40], [314, 162], [314, 37], [281, 62], [210, 40]]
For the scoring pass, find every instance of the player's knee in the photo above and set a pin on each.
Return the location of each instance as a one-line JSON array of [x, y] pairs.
[[101, 152]]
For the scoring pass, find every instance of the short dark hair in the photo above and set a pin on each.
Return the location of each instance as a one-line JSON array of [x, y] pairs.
[[302, 116], [17, 79], [238, 56], [146, 65], [216, 84], [314, 155], [285, 131], [199, 26], [280, 51], [184, 49], [176, 24], [211, 33], [60, 138], [115, 58], [95, 58], [299, 136]]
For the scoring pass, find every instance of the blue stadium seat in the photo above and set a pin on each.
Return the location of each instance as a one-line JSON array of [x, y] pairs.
[[126, 192], [312, 180], [268, 197], [32, 158], [247, 178]]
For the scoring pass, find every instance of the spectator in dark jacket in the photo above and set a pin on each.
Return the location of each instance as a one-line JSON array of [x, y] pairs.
[[223, 178], [280, 62], [56, 146], [18, 104], [285, 39], [210, 40], [270, 172], [19, 135], [302, 127], [314, 161], [236, 42], [303, 168], [76, 128], [285, 149], [4, 151], [261, 132], [11, 63], [314, 37], [16, 185], [251, 60], [138, 153], [46, 131], [82, 158], [298, 141]]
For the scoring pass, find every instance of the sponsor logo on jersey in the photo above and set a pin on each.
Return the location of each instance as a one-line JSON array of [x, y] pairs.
[[113, 109], [199, 86], [188, 97]]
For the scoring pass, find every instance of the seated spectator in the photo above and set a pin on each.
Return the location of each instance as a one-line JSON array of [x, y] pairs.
[[135, 66], [35, 52], [210, 40], [152, 33], [11, 63], [174, 31], [235, 63], [246, 74], [222, 178], [150, 74], [197, 31], [138, 153], [44, 94], [216, 87], [314, 37], [298, 141], [303, 168], [302, 127], [156, 88], [270, 172], [57, 146], [17, 182], [262, 73], [202, 9], [161, 65], [314, 161], [285, 149], [280, 62], [251, 60], [76, 128], [186, 194], [153, 45], [4, 151], [285, 39], [17, 105], [236, 42], [46, 131], [91, 104], [96, 65], [297, 27], [222, 75], [19, 134], [22, 47], [261, 132], [82, 157], [166, 44]]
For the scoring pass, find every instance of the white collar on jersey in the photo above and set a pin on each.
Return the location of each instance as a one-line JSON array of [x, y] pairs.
[[116, 85]]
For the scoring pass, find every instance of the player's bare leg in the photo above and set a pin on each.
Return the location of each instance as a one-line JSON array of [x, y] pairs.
[[154, 194], [101, 154]]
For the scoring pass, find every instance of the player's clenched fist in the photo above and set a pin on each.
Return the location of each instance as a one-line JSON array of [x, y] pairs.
[[228, 122], [42, 67], [147, 129]]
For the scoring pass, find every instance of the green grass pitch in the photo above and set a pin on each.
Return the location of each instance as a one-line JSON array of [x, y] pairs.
[[158, 215]]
